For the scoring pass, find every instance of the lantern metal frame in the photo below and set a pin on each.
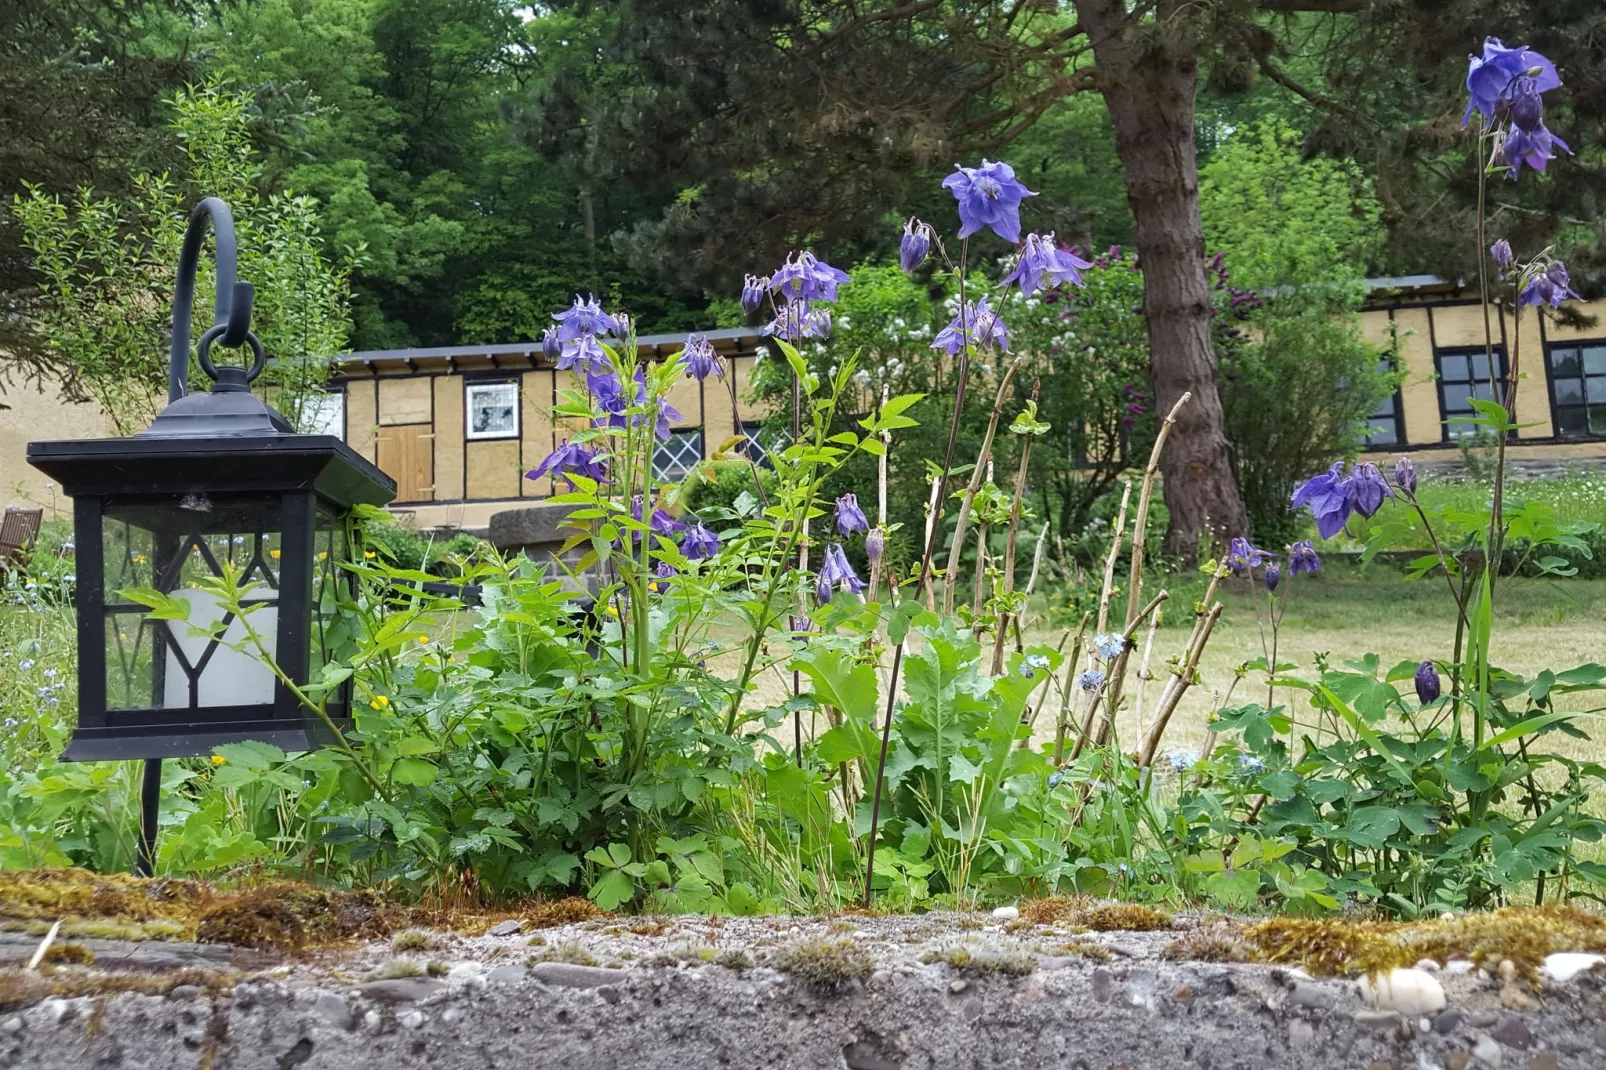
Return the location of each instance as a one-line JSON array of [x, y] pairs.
[[207, 453]]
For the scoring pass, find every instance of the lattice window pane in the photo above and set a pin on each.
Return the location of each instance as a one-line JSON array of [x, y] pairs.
[[677, 455]]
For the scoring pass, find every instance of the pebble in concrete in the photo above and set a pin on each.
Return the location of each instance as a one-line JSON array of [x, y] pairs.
[[1565, 965], [1513, 1032], [1410, 992], [333, 1009], [1487, 1052], [401, 989], [504, 928], [569, 975]]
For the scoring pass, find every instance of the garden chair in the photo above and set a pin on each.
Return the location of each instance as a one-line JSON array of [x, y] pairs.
[[18, 531]]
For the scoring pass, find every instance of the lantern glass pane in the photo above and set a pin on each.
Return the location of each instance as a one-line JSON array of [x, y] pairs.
[[178, 546], [334, 635]]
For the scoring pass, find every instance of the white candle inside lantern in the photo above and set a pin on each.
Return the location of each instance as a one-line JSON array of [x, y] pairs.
[[231, 677]]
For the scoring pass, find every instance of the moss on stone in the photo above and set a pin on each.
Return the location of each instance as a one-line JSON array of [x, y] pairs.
[[824, 962]]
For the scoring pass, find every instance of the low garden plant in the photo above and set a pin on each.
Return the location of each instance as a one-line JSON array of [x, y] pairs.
[[756, 706]]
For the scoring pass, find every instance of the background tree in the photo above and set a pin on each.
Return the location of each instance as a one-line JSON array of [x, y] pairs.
[[105, 310]]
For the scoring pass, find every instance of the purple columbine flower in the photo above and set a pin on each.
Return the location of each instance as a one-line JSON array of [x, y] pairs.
[[583, 318], [1044, 263], [609, 396], [699, 358], [585, 353], [1327, 496], [551, 345], [662, 575], [570, 457], [915, 245], [806, 278], [662, 523], [1427, 683], [1367, 489], [1532, 148], [699, 542], [1242, 557], [1405, 475], [1527, 107], [1492, 77], [976, 324], [1273, 577], [1500, 253], [836, 572], [1302, 557], [1550, 287], [875, 544], [754, 287], [796, 321], [850, 518], [988, 196]]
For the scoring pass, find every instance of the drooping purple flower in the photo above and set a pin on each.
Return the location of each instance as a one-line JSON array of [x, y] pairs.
[[988, 196], [1044, 263], [584, 317], [1367, 489], [1492, 76], [570, 457], [551, 345], [1500, 253], [836, 573], [1535, 149], [699, 358], [795, 321], [806, 278], [662, 523], [699, 542], [1427, 683], [609, 396], [1302, 557], [1527, 107], [976, 324], [754, 287], [1549, 287], [1327, 496], [1242, 557], [915, 245], [850, 519], [1405, 475], [1273, 576], [663, 575]]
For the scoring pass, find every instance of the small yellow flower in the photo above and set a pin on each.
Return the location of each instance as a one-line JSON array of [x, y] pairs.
[[274, 554], [368, 553], [379, 702], [139, 559], [613, 609], [422, 639], [322, 554], [218, 759]]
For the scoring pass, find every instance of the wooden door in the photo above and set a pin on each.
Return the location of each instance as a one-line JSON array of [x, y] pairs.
[[407, 455]]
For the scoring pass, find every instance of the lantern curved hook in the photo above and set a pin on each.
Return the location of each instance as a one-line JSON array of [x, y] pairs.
[[231, 306]]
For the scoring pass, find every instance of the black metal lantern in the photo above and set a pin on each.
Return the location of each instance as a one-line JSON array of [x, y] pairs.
[[218, 477]]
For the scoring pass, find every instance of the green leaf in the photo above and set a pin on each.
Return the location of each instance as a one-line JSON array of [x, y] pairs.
[[162, 606], [612, 890], [251, 754], [414, 772], [408, 746]]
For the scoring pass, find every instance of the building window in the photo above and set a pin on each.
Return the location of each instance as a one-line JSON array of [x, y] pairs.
[[493, 410], [325, 414], [753, 445], [1578, 389], [1463, 378], [1384, 424], [677, 455]]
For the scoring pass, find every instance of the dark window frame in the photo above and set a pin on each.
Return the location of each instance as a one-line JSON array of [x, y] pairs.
[[1447, 430], [1583, 377], [702, 452], [1396, 413]]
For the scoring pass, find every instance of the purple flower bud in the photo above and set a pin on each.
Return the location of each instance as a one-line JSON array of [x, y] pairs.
[[699, 358], [875, 544], [1500, 251], [1242, 557], [1405, 475], [915, 245], [835, 571], [1273, 577], [1527, 109], [551, 347], [1427, 683], [754, 287]]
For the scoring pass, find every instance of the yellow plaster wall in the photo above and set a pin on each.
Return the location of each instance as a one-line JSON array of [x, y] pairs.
[[535, 424], [404, 400], [1527, 354], [1419, 393], [449, 437], [361, 417], [493, 469]]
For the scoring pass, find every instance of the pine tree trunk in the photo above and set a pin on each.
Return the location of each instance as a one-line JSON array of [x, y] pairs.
[[1147, 71]]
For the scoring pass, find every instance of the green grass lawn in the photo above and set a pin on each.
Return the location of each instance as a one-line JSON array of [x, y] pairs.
[[1577, 499]]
